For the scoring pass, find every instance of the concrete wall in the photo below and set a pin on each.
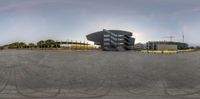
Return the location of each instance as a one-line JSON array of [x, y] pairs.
[[166, 47]]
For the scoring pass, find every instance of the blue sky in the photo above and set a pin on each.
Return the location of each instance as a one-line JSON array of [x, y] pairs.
[[33, 20]]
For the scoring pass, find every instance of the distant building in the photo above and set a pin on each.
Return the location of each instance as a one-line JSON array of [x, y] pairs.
[[162, 47], [139, 46], [4, 47], [64, 44], [113, 40], [165, 45]]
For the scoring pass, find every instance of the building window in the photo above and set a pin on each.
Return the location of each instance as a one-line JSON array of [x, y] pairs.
[[106, 39], [106, 43], [113, 38], [113, 34], [106, 35], [120, 39], [120, 35]]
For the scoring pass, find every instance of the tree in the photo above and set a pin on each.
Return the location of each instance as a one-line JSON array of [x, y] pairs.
[[22, 45], [13, 45], [17, 45], [41, 44], [50, 43], [31, 45]]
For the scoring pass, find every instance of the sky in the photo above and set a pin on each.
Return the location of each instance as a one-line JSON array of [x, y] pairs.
[[33, 20]]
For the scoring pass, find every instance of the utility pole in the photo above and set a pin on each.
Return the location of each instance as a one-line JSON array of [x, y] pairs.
[[183, 37]]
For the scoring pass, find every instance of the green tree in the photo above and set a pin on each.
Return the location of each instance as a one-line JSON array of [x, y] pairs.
[[22, 45], [31, 45], [17, 45], [50, 43], [41, 44], [13, 46]]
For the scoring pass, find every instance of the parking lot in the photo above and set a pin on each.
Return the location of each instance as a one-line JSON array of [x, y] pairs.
[[97, 74]]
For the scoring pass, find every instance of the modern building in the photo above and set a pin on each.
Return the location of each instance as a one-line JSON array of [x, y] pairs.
[[165, 45], [113, 40]]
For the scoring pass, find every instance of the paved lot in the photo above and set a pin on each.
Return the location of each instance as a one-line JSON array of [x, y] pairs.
[[99, 75]]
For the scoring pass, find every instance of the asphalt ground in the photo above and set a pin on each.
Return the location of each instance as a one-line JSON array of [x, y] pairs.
[[98, 75]]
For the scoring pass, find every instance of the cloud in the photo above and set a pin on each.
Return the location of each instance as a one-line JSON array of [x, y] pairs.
[[148, 20]]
